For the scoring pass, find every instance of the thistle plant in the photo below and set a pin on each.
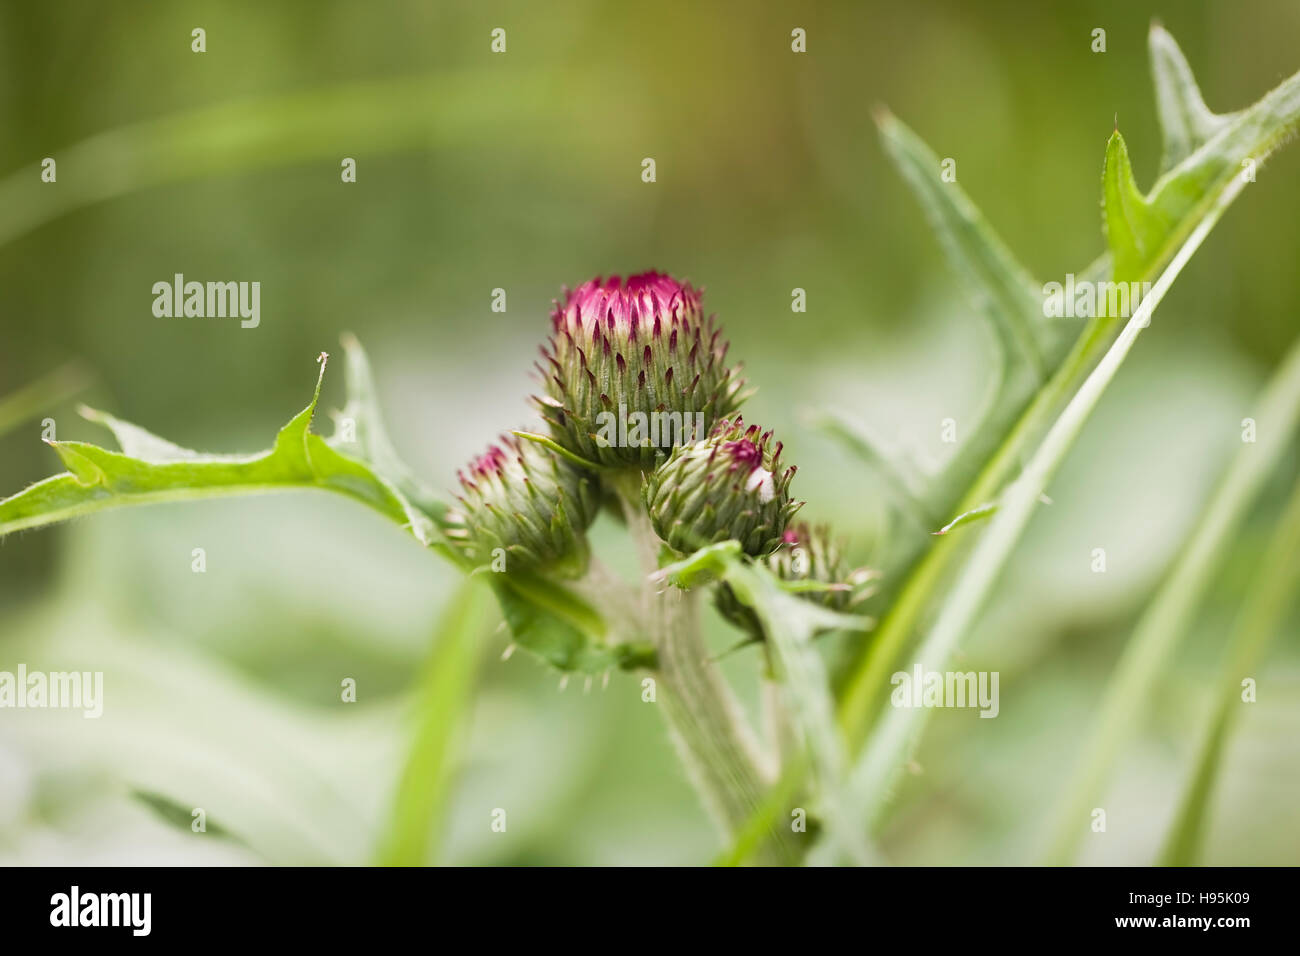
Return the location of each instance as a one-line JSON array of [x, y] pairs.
[[706, 501]]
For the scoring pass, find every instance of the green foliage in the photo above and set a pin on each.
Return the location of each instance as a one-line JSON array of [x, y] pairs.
[[1146, 235], [1002, 289], [150, 469], [442, 696], [1143, 234], [358, 461], [1259, 621], [1185, 121], [559, 626], [1168, 615], [1204, 153]]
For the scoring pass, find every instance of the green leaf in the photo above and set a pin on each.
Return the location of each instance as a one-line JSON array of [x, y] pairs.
[[891, 745], [150, 469], [1166, 618], [135, 441], [1261, 616], [1134, 230], [1146, 232], [704, 566], [550, 620], [1002, 289], [442, 695], [551, 444], [790, 625], [369, 439], [968, 517], [1185, 120], [358, 461], [994, 447], [975, 478], [1204, 154]]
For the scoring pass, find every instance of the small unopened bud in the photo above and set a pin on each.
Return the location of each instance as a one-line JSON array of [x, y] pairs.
[[729, 486], [807, 554], [523, 500]]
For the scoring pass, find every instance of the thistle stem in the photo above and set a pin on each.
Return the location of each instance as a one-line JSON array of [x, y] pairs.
[[716, 745]]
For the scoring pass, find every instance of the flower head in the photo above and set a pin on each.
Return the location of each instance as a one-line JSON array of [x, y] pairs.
[[633, 369], [728, 486], [527, 502]]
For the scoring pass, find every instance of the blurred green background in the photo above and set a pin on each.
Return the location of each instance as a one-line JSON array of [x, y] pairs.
[[522, 171]]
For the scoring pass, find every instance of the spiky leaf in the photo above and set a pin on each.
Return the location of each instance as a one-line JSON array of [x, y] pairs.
[[150, 469]]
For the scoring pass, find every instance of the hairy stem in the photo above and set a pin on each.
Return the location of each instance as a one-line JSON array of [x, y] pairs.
[[716, 745], [779, 732]]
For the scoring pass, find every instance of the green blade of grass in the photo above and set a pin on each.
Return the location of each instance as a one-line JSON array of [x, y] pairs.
[[443, 693], [406, 113], [1258, 622]]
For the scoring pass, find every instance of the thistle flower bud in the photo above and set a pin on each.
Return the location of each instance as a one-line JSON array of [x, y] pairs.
[[809, 554], [521, 500], [633, 369], [728, 486]]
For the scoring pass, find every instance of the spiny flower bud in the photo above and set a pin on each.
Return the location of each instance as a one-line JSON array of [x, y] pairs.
[[634, 369], [728, 486], [525, 500], [809, 554]]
